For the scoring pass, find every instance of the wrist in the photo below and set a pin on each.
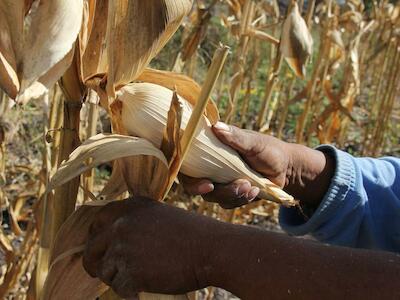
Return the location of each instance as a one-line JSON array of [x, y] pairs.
[[309, 174]]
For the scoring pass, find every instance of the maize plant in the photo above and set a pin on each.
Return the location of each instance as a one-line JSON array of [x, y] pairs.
[[135, 86]]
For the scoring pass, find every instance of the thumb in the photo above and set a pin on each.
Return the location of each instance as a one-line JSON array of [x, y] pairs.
[[243, 141]]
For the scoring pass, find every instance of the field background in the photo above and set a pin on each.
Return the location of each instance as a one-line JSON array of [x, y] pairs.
[[349, 98]]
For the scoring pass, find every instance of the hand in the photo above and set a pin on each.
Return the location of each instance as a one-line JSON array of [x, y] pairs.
[[140, 245], [301, 171]]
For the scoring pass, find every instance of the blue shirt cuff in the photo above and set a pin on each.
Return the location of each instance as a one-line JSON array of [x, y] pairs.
[[293, 222]]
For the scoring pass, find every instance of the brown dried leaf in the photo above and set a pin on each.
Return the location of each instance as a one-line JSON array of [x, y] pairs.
[[36, 50], [185, 87], [136, 32], [193, 41], [115, 186], [145, 176], [11, 26], [67, 279], [172, 133], [94, 59], [100, 149], [296, 41], [44, 48]]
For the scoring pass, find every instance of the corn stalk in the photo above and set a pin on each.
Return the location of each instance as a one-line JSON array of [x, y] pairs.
[[240, 58]]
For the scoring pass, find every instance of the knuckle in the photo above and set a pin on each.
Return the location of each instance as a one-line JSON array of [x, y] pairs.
[[120, 226], [89, 265], [124, 286]]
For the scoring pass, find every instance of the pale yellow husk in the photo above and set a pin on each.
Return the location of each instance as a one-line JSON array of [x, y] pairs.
[[37, 47], [145, 109]]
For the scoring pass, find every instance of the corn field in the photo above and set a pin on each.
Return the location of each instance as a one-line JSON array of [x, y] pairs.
[[94, 96]]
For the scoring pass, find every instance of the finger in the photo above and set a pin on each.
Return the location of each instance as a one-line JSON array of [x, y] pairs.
[[124, 285], [94, 251], [235, 194], [196, 186], [253, 194], [105, 217], [243, 141], [108, 268]]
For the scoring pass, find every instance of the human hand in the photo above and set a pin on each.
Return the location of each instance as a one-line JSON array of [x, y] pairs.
[[140, 245], [265, 154], [303, 172]]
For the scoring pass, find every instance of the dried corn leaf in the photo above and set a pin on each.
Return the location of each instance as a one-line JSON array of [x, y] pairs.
[[170, 144], [334, 128], [27, 55], [115, 186], [67, 279], [11, 37], [137, 31], [195, 38], [145, 176], [100, 149], [44, 48], [296, 41], [185, 87], [94, 57]]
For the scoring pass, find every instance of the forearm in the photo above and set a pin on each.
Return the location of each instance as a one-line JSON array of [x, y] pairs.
[[255, 264]]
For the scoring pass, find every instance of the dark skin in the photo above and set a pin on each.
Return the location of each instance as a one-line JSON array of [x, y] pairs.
[[303, 172], [162, 249]]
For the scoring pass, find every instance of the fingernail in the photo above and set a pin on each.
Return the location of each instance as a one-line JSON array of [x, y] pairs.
[[205, 188], [244, 188], [253, 193], [222, 126]]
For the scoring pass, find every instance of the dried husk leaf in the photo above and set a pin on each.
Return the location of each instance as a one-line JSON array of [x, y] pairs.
[[44, 48], [184, 85], [94, 57], [28, 5], [67, 279], [144, 113], [27, 55], [100, 149], [170, 144], [296, 41], [145, 176], [136, 32], [11, 27], [129, 169], [115, 186]]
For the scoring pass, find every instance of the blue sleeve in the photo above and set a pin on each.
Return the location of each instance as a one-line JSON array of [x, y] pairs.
[[361, 208]]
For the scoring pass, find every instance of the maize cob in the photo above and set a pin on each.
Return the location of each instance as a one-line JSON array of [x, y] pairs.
[[144, 114]]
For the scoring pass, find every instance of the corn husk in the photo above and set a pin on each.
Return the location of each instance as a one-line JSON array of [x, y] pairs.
[[144, 114], [33, 52], [296, 41], [184, 85]]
